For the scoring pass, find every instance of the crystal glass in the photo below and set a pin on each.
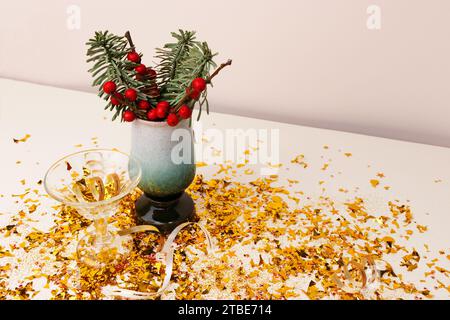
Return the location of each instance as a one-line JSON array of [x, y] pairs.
[[93, 182]]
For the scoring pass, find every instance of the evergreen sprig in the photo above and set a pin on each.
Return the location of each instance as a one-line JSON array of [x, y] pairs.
[[173, 54], [108, 52], [179, 64]]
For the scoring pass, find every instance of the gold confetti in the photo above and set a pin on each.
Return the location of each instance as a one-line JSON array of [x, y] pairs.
[[374, 183], [258, 219], [24, 139], [421, 228], [300, 159], [201, 164]]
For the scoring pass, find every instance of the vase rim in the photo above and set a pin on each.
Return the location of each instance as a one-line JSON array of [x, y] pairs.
[[157, 123]]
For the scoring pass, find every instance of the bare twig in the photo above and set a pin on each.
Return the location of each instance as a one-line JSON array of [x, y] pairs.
[[208, 80], [223, 65], [130, 41]]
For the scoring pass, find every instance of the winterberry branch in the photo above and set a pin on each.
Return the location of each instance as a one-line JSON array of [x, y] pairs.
[[208, 80], [133, 88]]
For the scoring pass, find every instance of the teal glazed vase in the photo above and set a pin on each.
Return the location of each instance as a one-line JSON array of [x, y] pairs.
[[166, 156]]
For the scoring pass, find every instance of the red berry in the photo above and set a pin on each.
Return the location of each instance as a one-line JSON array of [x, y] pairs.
[[199, 84], [172, 120], [161, 113], [185, 112], [193, 94], [129, 116], [116, 99], [143, 104], [152, 115], [162, 108], [131, 94], [141, 69], [109, 87], [164, 105], [134, 57], [151, 73]]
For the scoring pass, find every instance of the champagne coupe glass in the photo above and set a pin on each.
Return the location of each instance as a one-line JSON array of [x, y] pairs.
[[93, 182]]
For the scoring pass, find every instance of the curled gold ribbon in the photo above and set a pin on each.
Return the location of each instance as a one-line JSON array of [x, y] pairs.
[[93, 189], [112, 184], [77, 191], [354, 289], [167, 251], [366, 261], [136, 229], [96, 188]]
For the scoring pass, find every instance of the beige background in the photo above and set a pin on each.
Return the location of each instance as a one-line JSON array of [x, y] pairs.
[[308, 62]]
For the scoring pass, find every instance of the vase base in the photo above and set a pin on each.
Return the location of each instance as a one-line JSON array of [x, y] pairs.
[[165, 214]]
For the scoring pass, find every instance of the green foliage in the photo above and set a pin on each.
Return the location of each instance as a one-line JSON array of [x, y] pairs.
[[172, 54], [108, 53], [179, 63]]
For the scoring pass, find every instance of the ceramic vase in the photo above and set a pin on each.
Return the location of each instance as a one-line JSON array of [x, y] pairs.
[[166, 156]]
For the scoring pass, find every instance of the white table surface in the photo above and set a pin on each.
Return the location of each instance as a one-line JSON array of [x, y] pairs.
[[59, 119]]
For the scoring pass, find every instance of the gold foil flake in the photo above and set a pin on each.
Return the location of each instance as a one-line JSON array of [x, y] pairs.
[[24, 139], [5, 253], [410, 261], [398, 210], [249, 171], [442, 270], [421, 228], [300, 159], [374, 183], [265, 238], [201, 164]]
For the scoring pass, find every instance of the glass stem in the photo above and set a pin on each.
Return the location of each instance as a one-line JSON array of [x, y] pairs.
[[101, 231]]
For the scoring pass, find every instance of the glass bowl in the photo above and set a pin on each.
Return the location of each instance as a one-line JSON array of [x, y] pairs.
[[93, 182]]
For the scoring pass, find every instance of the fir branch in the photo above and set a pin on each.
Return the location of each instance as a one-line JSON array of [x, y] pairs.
[[172, 55], [197, 63], [108, 53], [180, 63]]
